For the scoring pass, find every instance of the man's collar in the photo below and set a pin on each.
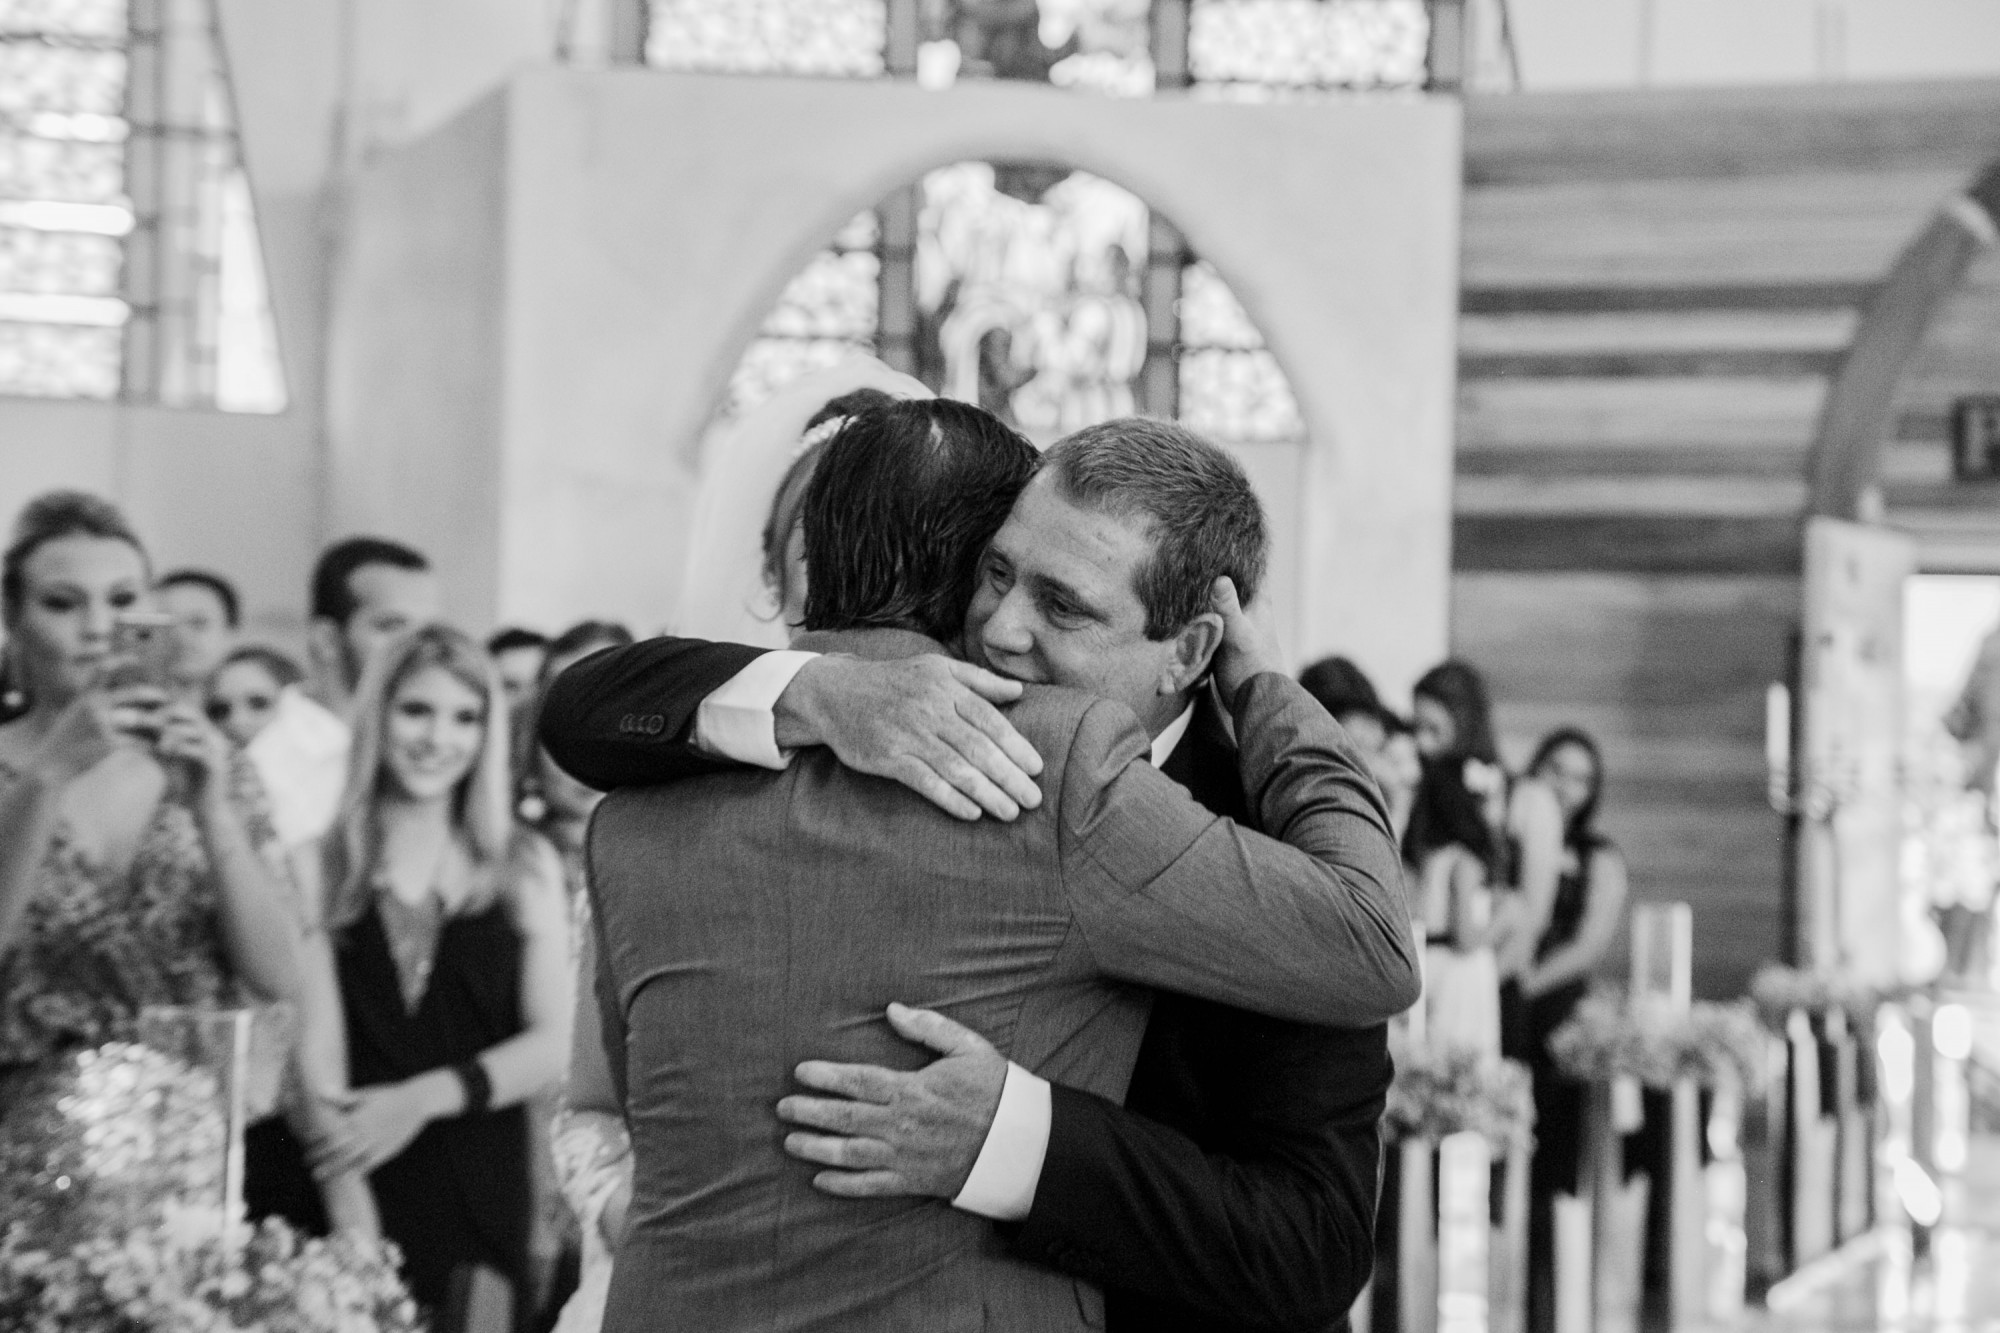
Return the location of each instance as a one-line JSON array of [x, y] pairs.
[[881, 645], [1167, 740]]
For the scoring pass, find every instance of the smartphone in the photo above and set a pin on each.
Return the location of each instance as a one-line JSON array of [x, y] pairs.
[[142, 651]]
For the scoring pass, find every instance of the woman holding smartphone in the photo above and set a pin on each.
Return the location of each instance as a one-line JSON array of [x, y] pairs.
[[129, 874]]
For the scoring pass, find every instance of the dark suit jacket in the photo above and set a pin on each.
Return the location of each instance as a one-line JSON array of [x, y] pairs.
[[1235, 1190], [1238, 1189]]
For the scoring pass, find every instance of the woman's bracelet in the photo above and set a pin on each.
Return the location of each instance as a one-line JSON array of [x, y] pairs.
[[478, 1087]]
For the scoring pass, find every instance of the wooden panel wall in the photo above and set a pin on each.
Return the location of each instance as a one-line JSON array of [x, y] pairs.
[[1658, 287], [1668, 672]]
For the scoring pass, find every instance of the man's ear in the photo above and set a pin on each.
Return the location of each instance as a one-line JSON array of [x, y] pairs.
[[1194, 650]]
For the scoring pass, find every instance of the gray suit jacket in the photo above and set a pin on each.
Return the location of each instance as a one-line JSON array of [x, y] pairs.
[[748, 921]]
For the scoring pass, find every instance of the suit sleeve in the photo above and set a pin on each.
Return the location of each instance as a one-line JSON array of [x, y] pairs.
[[1306, 924], [625, 717], [1279, 1235]]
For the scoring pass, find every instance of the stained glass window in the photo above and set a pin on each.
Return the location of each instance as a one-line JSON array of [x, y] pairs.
[[155, 294], [1265, 48], [842, 38], [1231, 386], [1027, 301], [1027, 293], [828, 312], [63, 211]]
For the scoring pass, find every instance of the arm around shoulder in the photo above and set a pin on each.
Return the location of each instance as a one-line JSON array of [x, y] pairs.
[[1171, 895], [625, 716]]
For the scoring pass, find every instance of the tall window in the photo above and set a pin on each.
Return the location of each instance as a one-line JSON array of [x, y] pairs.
[[129, 264], [1232, 48]]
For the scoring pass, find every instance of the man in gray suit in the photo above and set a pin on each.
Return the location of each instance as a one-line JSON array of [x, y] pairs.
[[748, 921]]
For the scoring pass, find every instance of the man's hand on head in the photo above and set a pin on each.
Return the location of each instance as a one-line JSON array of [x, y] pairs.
[[1249, 647], [930, 723], [887, 1133]]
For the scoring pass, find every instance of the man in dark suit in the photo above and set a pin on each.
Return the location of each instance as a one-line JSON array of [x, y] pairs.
[[747, 921], [1237, 1188]]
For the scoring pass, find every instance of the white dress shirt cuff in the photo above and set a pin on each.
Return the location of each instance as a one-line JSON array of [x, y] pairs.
[[738, 720], [1003, 1180]]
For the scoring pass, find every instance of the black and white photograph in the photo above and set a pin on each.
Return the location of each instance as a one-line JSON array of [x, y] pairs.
[[930, 666]]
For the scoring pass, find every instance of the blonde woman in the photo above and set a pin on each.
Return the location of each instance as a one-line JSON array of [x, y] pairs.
[[451, 952]]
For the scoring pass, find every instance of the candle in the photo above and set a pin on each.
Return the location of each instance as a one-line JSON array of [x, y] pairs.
[[1778, 728]]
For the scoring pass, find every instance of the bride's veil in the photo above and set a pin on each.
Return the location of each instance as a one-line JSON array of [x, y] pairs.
[[742, 462]]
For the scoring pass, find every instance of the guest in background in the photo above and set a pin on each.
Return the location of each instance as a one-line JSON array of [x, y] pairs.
[[1582, 927], [207, 614], [365, 592], [243, 692], [1398, 768], [518, 655], [131, 870], [451, 953], [1450, 847], [1453, 722], [1345, 691]]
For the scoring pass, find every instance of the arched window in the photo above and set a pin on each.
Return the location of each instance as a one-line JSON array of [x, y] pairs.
[[1052, 297]]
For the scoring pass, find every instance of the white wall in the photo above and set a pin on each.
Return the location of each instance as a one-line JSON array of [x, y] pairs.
[[1630, 43]]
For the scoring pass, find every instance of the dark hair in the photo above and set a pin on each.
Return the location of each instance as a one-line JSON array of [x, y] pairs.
[[850, 404], [1446, 811], [224, 590], [48, 518], [1461, 690], [790, 496], [1342, 688], [1206, 521], [604, 633], [514, 636], [332, 596], [1581, 831], [282, 668], [899, 511]]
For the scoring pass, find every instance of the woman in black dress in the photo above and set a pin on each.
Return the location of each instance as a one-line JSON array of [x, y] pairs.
[[1583, 925], [452, 953]]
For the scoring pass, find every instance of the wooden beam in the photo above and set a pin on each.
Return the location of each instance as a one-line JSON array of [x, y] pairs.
[[1590, 299], [1860, 412], [1719, 363], [1693, 460], [1686, 133], [1625, 543]]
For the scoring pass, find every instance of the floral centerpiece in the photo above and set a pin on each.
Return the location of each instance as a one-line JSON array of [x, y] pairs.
[[111, 1167], [1444, 1090], [1710, 1044]]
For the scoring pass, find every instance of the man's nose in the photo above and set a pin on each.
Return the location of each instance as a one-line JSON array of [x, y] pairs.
[[1007, 628]]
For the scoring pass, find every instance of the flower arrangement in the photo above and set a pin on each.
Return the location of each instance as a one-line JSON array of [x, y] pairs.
[[111, 1167], [1779, 990], [1444, 1090], [1710, 1044]]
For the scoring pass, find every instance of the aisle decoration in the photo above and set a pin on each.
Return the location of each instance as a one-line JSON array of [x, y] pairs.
[[112, 1167], [1660, 1058], [1709, 1045], [1780, 990], [1441, 1091], [1461, 1124]]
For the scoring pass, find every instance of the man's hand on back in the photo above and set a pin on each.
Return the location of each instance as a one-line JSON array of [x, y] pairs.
[[927, 722], [888, 1133], [1249, 648]]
